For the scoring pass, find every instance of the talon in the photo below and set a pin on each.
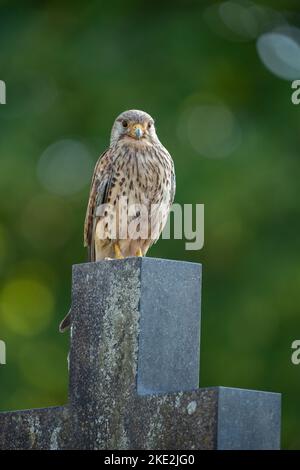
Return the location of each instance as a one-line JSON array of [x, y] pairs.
[[139, 252], [118, 253]]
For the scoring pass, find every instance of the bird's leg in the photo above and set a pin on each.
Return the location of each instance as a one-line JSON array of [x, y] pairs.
[[139, 252], [118, 253]]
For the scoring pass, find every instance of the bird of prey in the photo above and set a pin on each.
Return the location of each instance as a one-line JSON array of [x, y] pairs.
[[132, 191]]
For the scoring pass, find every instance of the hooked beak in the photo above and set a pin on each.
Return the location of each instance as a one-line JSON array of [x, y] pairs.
[[137, 131]]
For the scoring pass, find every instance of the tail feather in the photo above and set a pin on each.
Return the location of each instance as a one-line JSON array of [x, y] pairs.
[[65, 323]]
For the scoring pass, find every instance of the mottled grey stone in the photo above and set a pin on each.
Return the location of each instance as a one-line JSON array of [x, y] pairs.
[[248, 419], [169, 341], [111, 302], [45, 428], [113, 371]]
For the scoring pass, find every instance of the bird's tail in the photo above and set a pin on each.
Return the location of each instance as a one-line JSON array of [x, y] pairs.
[[65, 323]]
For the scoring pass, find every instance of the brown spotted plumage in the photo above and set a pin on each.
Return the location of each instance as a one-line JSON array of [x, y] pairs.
[[131, 193], [139, 170]]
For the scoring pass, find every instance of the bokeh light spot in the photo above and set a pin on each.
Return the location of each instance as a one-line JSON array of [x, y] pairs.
[[242, 20], [279, 51], [44, 366], [239, 18], [26, 306], [46, 222], [212, 130], [65, 167]]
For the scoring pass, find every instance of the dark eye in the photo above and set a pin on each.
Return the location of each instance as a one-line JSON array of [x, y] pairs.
[[149, 125], [125, 123]]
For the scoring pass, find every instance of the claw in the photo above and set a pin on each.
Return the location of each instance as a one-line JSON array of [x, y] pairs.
[[118, 253], [139, 252]]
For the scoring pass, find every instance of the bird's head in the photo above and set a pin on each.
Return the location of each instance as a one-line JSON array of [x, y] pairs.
[[135, 126]]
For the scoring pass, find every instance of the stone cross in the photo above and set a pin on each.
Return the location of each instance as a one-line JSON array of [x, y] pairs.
[[134, 371]]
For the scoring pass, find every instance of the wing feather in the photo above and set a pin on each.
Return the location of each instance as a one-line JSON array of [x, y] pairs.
[[100, 185]]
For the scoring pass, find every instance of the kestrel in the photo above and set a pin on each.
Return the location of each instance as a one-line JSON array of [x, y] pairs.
[[132, 191]]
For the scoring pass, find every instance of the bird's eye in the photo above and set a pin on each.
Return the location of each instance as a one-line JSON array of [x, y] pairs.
[[125, 124], [149, 125]]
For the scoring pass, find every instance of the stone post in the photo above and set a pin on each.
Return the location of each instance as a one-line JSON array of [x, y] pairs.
[[134, 371]]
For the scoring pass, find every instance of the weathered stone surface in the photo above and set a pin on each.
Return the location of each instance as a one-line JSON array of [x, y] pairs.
[[115, 308], [45, 428], [168, 421], [248, 419], [169, 340], [147, 316], [126, 315]]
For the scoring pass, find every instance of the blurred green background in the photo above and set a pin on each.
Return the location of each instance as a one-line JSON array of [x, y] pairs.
[[219, 88]]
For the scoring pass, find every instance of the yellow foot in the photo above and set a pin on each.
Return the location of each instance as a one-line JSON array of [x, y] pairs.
[[139, 252], [118, 253]]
